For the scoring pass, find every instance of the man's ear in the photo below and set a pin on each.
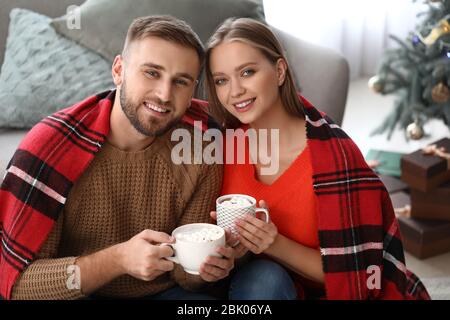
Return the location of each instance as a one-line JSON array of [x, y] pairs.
[[117, 70], [281, 70]]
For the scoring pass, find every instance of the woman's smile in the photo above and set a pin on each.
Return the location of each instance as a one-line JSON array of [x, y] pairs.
[[245, 105]]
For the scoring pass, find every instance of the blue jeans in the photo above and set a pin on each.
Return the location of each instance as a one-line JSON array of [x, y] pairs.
[[178, 293], [262, 279], [174, 293]]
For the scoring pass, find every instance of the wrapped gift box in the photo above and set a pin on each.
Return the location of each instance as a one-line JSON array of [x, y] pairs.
[[388, 162], [425, 238], [422, 238], [426, 172], [431, 205]]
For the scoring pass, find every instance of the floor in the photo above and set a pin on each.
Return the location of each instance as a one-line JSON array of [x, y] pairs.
[[364, 111]]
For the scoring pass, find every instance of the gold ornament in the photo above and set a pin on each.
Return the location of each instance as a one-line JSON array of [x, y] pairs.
[[414, 131], [441, 29], [440, 93], [376, 84]]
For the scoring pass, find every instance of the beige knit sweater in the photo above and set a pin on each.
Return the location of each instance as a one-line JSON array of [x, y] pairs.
[[118, 196]]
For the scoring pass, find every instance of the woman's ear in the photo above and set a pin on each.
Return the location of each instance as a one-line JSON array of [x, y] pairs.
[[281, 71], [117, 70]]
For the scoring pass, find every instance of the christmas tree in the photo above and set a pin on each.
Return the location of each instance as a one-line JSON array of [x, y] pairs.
[[418, 72]]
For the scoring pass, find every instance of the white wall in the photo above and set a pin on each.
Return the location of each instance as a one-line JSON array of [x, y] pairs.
[[358, 29]]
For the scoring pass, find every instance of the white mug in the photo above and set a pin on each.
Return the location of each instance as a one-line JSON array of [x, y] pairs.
[[227, 215], [191, 253]]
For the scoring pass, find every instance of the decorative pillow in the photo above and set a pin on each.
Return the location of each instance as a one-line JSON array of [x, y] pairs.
[[43, 72], [104, 23]]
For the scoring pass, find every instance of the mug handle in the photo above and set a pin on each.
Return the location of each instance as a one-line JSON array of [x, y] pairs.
[[266, 213], [173, 258]]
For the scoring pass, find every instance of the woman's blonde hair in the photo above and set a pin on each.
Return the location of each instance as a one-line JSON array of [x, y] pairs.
[[257, 35]]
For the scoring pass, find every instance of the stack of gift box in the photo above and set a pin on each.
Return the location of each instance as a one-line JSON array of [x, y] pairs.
[[424, 212]]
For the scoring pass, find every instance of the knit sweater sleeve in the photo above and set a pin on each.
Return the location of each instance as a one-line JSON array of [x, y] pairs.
[[198, 209], [47, 277]]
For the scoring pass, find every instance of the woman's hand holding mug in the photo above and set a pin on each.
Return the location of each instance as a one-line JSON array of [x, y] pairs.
[[239, 214], [256, 235]]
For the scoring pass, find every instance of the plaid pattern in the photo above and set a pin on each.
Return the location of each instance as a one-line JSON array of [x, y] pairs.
[[361, 237], [43, 170]]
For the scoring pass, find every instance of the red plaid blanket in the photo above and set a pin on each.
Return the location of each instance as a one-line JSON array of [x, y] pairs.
[[359, 240], [359, 237], [43, 170]]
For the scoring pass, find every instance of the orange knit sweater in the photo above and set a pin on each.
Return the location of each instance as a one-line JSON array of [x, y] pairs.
[[291, 201], [290, 198]]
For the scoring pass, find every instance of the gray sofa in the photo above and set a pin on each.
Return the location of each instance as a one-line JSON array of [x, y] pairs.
[[321, 74]]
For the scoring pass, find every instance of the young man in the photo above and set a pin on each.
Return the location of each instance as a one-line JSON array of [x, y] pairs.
[[91, 192]]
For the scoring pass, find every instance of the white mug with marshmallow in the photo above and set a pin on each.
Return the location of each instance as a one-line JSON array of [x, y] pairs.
[[194, 243]]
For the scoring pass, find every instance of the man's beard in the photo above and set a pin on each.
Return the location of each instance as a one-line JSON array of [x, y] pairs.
[[152, 128]]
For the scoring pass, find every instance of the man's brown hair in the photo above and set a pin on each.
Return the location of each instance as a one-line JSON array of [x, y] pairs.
[[165, 27]]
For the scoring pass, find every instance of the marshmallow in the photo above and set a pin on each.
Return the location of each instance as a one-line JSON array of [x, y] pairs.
[[236, 202], [201, 235]]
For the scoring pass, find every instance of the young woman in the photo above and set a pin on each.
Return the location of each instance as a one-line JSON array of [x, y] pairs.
[[333, 232]]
